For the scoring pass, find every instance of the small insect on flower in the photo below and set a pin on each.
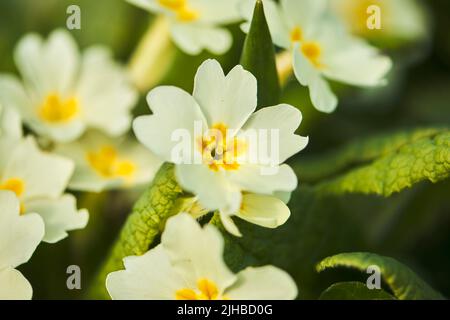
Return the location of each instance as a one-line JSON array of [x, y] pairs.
[[19, 237], [189, 265], [39, 179], [320, 48], [103, 162], [195, 24], [220, 147], [64, 93]]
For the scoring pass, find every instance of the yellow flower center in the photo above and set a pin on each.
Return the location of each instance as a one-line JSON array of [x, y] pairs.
[[107, 163], [296, 34], [17, 186], [206, 290], [181, 8], [56, 110], [219, 153], [313, 52]]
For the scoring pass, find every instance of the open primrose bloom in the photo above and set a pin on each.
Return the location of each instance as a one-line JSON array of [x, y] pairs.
[[63, 92], [194, 270], [38, 180], [195, 24], [103, 162], [19, 237], [320, 48], [218, 144]]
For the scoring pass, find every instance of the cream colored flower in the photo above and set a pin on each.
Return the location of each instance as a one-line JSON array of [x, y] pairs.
[[189, 265], [19, 237], [196, 24], [39, 179], [103, 162], [63, 93], [221, 148], [321, 48]]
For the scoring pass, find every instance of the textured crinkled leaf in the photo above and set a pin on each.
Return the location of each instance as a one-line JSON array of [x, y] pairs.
[[354, 291], [258, 57], [144, 224], [364, 150], [427, 158], [402, 281]]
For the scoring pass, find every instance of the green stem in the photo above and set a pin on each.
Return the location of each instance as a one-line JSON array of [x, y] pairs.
[[143, 226], [153, 56]]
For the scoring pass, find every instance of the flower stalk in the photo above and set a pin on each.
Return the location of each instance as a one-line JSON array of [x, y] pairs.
[[144, 224], [153, 56]]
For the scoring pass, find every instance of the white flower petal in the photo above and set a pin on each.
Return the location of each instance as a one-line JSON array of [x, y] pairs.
[[304, 70], [148, 277], [230, 99], [213, 190], [174, 112], [105, 92], [229, 224], [358, 64], [44, 174], [322, 97], [196, 253], [279, 124], [14, 286], [192, 39], [265, 211], [279, 30], [10, 124], [305, 14], [264, 180], [264, 283], [19, 234], [149, 5], [60, 215], [217, 11]]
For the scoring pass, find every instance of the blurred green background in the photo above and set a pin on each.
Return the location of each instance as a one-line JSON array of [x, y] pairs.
[[412, 226]]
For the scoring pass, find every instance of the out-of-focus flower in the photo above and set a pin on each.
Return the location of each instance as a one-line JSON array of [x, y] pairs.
[[10, 124], [19, 237], [195, 24], [400, 20], [102, 162], [189, 265], [39, 179], [265, 211], [321, 49], [219, 146], [63, 93]]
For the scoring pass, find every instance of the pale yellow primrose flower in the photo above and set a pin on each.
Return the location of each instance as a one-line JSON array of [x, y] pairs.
[[39, 179], [217, 171], [401, 19], [321, 48], [10, 123], [195, 24], [63, 92], [103, 162], [19, 237], [189, 265]]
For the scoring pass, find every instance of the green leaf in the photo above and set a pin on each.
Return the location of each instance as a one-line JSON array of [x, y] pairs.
[[143, 225], [258, 57], [360, 152], [402, 281], [354, 291], [427, 158]]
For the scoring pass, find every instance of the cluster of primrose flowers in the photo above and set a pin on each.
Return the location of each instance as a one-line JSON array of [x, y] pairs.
[[77, 108]]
